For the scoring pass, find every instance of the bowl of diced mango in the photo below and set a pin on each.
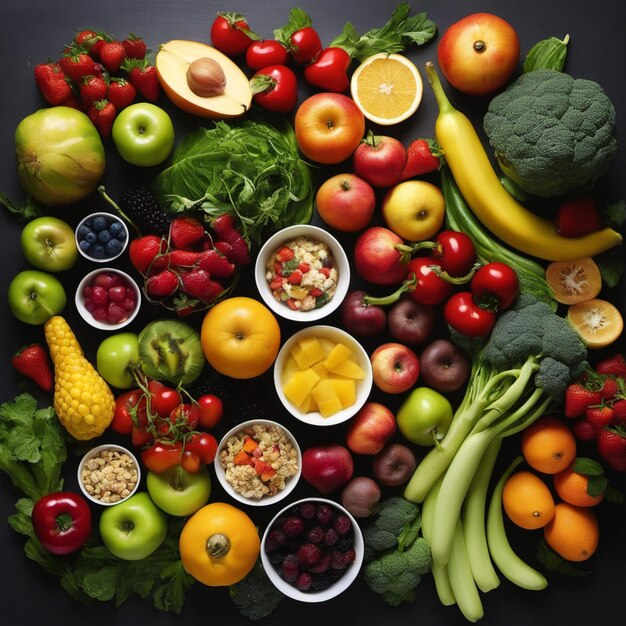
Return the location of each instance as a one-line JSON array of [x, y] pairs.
[[322, 375]]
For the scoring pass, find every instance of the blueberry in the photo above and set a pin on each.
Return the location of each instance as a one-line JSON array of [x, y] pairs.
[[83, 229], [115, 229], [84, 245], [104, 236], [97, 252], [122, 235], [91, 237], [100, 223], [113, 247]]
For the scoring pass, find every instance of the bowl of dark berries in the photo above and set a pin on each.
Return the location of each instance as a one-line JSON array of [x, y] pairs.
[[312, 550], [108, 299], [101, 237]]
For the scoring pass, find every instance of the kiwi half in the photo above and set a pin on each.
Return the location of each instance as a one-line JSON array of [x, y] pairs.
[[171, 350]]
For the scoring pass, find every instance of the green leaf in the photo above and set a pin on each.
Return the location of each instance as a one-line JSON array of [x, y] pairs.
[[611, 266], [596, 485], [26, 211], [588, 467], [614, 495], [548, 54], [615, 213], [554, 563], [298, 19]]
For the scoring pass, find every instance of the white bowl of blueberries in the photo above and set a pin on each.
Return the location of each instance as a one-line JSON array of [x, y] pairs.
[[101, 237]]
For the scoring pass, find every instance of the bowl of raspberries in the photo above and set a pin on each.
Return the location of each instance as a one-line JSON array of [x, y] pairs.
[[312, 550]]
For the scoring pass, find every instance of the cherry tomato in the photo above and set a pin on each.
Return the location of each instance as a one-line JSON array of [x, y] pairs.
[[264, 53], [204, 445], [330, 70], [231, 34], [62, 522], [211, 410], [306, 45], [185, 417], [140, 436], [429, 288], [468, 317], [161, 456], [275, 88], [454, 252], [190, 461], [495, 286], [163, 399], [124, 407]]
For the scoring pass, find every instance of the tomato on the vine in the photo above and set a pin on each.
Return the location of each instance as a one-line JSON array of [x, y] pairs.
[[211, 410], [495, 286], [163, 399], [202, 444], [190, 461], [261, 54], [185, 417], [275, 88], [306, 45], [161, 456], [466, 316], [125, 405], [231, 34], [429, 288], [454, 252]]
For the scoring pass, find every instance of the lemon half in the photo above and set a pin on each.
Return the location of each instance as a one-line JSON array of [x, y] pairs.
[[387, 88]]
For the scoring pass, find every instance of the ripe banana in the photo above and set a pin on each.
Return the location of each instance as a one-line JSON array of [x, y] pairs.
[[492, 204]]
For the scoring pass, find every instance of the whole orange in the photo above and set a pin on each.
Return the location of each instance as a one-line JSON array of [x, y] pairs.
[[527, 500], [573, 532], [548, 445], [572, 487]]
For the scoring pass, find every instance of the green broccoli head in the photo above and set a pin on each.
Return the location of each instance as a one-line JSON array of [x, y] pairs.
[[255, 596], [392, 572], [552, 133]]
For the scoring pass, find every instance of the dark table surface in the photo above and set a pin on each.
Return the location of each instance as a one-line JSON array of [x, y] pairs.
[[33, 30]]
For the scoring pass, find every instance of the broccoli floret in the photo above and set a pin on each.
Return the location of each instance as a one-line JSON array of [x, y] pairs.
[[255, 596], [552, 133], [395, 513]]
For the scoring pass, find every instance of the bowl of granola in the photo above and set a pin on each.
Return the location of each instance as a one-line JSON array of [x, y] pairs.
[[302, 273], [258, 462], [108, 474]]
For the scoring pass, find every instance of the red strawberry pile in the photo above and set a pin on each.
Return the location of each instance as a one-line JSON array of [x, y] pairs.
[[192, 268], [597, 403], [99, 75]]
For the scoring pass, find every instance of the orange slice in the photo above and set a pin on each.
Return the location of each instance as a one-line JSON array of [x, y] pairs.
[[387, 88], [598, 322]]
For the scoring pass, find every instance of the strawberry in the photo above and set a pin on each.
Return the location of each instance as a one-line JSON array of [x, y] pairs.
[[609, 388], [134, 47], [612, 366], [198, 284], [578, 398], [144, 77], [611, 446], [422, 157], [216, 263], [186, 232], [74, 102], [112, 55], [183, 258], [102, 113], [76, 63], [92, 89], [577, 217], [120, 93], [619, 410], [599, 416], [163, 284], [92, 41], [52, 82], [33, 361], [143, 250], [583, 430]]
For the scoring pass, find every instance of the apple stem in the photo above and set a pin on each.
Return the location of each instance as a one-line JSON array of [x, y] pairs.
[[407, 285], [114, 204]]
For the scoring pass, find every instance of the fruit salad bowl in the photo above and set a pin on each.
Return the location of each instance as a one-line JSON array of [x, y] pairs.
[[322, 375]]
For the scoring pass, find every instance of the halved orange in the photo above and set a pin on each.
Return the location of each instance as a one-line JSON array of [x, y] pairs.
[[387, 88], [598, 322]]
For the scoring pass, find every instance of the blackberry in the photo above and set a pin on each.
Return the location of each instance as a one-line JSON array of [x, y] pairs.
[[321, 582], [344, 544], [142, 208]]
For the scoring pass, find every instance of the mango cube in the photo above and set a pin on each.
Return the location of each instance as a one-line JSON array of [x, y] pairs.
[[311, 350], [348, 369], [299, 386], [329, 407], [345, 388], [337, 356]]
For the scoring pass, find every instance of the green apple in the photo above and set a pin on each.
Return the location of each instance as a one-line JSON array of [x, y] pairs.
[[34, 296], [48, 243], [179, 492], [424, 417], [134, 528], [116, 357], [143, 134]]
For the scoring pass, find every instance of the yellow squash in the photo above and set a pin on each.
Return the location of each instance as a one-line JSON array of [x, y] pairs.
[[491, 203], [83, 401]]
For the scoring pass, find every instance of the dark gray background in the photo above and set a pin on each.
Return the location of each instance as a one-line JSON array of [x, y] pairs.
[[33, 30]]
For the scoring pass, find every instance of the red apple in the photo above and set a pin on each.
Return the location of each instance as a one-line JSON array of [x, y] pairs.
[[360, 318], [381, 257], [346, 202], [479, 53], [445, 366], [327, 466], [370, 429], [329, 127], [411, 322], [395, 367], [380, 160], [394, 465]]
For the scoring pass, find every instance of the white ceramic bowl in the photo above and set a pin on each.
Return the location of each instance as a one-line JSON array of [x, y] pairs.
[[341, 263], [363, 386], [110, 218], [265, 500], [94, 452], [79, 300], [338, 586]]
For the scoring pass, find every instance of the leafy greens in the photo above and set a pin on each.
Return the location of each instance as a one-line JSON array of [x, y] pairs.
[[249, 168]]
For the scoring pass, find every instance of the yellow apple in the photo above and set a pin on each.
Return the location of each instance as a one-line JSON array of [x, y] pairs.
[[414, 210]]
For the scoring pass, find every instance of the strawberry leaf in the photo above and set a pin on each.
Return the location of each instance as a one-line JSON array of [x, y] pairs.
[[554, 563], [588, 467]]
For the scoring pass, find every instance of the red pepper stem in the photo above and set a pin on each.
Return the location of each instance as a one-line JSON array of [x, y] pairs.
[[426, 245], [406, 286], [64, 522], [405, 252], [455, 280]]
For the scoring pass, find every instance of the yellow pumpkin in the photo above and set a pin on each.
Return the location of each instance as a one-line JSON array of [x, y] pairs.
[[219, 545]]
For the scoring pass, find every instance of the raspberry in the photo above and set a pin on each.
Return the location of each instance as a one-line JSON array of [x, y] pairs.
[[342, 524], [324, 514], [583, 430], [337, 560], [349, 556], [322, 564], [304, 581], [331, 537], [290, 568], [275, 540], [293, 526], [315, 534], [307, 510], [308, 554]]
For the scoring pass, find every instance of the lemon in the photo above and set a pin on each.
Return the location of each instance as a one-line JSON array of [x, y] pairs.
[[387, 88]]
